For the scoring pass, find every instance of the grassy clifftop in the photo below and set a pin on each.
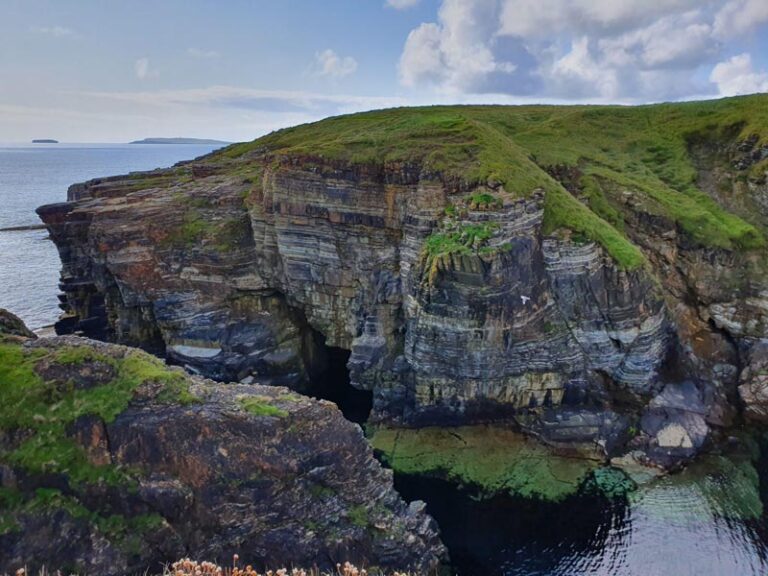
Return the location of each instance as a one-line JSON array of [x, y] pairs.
[[604, 150]]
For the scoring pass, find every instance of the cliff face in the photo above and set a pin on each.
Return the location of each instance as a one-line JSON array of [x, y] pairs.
[[111, 463], [471, 277]]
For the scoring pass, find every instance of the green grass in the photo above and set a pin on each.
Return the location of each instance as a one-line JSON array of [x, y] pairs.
[[644, 150], [358, 515], [483, 201], [191, 230], [467, 239], [41, 412], [260, 406], [46, 409], [460, 241]]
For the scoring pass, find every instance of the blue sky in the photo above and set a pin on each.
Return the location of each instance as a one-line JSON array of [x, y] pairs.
[[108, 70]]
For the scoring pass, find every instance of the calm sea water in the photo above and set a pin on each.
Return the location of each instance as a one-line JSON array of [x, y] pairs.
[[709, 520], [32, 175]]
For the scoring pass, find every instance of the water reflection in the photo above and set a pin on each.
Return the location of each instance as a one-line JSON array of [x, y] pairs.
[[707, 520]]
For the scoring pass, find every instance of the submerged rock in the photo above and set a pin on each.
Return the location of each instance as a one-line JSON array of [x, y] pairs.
[[110, 463], [675, 424], [487, 459]]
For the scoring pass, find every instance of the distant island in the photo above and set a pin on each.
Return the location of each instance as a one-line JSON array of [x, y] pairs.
[[179, 141], [45, 141]]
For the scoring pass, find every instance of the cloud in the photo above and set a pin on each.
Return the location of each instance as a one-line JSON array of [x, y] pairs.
[[328, 63], [203, 54], [143, 70], [55, 31], [402, 4], [579, 74], [542, 18], [455, 52], [739, 17], [736, 76], [223, 112], [236, 97], [603, 50]]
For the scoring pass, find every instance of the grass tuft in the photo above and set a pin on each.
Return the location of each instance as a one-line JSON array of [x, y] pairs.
[[260, 406]]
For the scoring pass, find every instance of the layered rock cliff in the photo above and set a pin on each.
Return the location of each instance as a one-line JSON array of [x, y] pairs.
[[592, 274], [112, 463]]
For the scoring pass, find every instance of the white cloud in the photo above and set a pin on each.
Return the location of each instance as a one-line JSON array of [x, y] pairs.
[[578, 73], [143, 70], [615, 50], [203, 54], [454, 53], [676, 40], [328, 63], [402, 4], [55, 31], [740, 17], [736, 76], [542, 18]]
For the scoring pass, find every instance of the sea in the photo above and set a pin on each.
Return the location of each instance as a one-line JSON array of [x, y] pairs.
[[35, 174]]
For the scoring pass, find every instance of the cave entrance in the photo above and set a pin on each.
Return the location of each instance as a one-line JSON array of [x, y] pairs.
[[329, 380]]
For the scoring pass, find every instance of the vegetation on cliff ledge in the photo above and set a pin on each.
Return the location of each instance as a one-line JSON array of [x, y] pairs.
[[610, 152]]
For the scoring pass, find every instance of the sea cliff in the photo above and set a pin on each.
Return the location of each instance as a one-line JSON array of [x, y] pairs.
[[593, 275]]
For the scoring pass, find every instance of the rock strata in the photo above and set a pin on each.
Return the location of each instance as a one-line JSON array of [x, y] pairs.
[[458, 298]]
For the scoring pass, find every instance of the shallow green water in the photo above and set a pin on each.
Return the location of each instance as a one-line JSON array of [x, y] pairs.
[[708, 520]]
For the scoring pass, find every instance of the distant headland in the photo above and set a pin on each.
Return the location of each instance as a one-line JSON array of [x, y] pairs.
[[45, 141], [179, 141]]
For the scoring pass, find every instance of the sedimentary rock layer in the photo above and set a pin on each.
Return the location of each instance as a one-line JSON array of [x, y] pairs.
[[459, 298]]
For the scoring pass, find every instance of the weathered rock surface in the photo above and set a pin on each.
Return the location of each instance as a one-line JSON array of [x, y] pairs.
[[245, 264], [754, 390], [111, 462]]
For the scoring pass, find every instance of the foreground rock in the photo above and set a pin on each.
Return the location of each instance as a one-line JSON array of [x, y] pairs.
[[110, 463], [562, 294]]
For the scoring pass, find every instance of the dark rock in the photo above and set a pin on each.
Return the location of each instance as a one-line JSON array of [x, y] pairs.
[[13, 325], [147, 464]]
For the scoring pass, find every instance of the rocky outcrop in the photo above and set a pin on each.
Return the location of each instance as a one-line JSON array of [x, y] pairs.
[[754, 390], [456, 298], [111, 463], [13, 325]]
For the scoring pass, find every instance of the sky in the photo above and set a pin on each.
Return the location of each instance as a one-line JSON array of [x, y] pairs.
[[115, 71]]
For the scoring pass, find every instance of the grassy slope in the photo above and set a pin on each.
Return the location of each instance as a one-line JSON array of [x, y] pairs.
[[642, 149]]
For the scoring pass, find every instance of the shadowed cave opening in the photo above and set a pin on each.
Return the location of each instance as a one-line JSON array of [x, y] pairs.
[[329, 379]]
